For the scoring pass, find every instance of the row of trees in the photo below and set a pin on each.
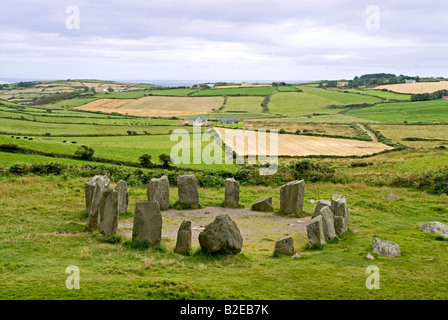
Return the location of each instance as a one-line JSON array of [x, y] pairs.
[[429, 96]]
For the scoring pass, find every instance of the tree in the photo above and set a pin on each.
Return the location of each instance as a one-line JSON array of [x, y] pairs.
[[165, 159], [84, 152], [145, 161], [110, 89], [92, 89]]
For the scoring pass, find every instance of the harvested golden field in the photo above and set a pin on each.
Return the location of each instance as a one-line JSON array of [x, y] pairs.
[[296, 145], [418, 87], [104, 105], [156, 106]]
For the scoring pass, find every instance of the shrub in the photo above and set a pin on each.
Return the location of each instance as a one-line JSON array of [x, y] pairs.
[[84, 152], [165, 159], [145, 161]]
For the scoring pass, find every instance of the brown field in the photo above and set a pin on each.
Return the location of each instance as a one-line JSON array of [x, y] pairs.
[[414, 88], [296, 145], [156, 106]]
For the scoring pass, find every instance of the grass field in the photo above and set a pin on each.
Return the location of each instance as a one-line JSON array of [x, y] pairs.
[[420, 111], [243, 104], [246, 91], [383, 94]]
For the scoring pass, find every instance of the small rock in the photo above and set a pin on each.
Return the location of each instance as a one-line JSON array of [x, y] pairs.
[[391, 197], [285, 246], [369, 256], [263, 204], [386, 248], [296, 256]]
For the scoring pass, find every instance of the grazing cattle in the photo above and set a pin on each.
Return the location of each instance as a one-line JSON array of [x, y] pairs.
[[25, 138], [73, 142], [17, 137], [30, 139], [12, 137], [65, 141]]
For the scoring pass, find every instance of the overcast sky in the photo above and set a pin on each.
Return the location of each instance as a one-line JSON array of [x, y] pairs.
[[222, 39]]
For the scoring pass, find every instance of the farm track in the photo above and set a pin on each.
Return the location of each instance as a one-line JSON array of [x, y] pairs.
[[371, 134]]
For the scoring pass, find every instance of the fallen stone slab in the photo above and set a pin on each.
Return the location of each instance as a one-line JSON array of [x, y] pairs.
[[435, 227], [315, 231], [222, 236], [232, 193], [292, 197], [284, 246], [147, 222], [263, 204], [159, 190], [385, 248], [183, 243]]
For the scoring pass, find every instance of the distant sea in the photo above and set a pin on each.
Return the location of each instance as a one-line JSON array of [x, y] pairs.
[[164, 83]]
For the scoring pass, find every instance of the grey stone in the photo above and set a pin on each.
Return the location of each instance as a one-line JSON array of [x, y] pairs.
[[188, 190], [385, 248], [369, 256], [263, 204], [123, 196], [101, 186], [292, 196], [328, 223], [339, 208], [435, 227], [183, 243], [232, 193], [315, 231], [147, 222], [285, 246], [296, 256], [391, 197], [90, 189], [159, 190], [222, 236], [320, 205], [109, 212]]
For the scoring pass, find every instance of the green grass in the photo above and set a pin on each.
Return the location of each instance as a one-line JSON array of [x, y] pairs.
[[243, 104], [412, 112], [383, 94], [42, 232], [172, 92], [254, 91]]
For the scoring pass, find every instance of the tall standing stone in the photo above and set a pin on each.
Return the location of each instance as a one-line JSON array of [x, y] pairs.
[[315, 231], [109, 212], [101, 186], [320, 205], [159, 190], [292, 196], [90, 189], [340, 210], [123, 196], [222, 236], [183, 243], [328, 223], [232, 193], [147, 222], [188, 190]]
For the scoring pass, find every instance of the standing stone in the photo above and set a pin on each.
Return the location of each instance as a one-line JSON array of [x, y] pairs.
[[123, 196], [328, 223], [90, 189], [147, 222], [340, 210], [385, 248], [222, 236], [183, 243], [435, 227], [285, 246], [159, 190], [292, 196], [320, 205], [188, 190], [315, 231], [109, 212], [232, 193], [101, 186], [263, 204]]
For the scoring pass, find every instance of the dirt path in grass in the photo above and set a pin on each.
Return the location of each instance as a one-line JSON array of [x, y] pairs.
[[254, 226], [370, 133]]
